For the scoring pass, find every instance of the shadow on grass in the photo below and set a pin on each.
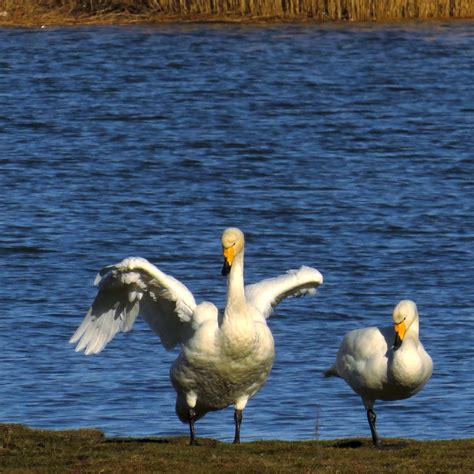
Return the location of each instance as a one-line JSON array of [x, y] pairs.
[[352, 444], [357, 443], [174, 441], [137, 440]]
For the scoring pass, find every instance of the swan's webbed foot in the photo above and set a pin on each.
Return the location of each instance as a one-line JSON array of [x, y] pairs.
[[192, 433], [238, 422], [372, 419]]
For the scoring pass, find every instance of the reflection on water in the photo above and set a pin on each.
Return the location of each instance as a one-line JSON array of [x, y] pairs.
[[347, 148]]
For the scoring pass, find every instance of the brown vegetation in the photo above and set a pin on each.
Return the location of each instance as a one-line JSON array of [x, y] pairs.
[[67, 11], [27, 450]]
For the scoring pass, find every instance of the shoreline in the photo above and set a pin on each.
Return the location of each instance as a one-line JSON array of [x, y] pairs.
[[60, 19]]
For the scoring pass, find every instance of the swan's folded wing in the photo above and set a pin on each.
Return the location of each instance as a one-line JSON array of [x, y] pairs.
[[132, 287], [266, 294]]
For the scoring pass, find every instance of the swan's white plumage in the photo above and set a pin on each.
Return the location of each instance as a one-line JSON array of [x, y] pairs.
[[266, 294], [224, 360], [132, 286], [374, 369]]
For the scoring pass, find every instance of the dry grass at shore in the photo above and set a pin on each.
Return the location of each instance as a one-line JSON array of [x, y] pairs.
[[53, 12], [27, 450]]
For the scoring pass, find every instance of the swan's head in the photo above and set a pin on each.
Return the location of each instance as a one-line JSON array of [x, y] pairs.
[[232, 244], [403, 316]]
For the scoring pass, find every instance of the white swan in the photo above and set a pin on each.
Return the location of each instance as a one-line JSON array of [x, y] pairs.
[[224, 359], [384, 363]]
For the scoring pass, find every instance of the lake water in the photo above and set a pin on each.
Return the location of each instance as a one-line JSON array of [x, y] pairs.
[[344, 147]]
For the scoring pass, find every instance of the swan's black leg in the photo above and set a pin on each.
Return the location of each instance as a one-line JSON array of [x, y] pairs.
[[238, 422], [372, 418], [192, 434]]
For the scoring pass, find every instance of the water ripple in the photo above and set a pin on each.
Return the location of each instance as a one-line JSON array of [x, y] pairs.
[[346, 147]]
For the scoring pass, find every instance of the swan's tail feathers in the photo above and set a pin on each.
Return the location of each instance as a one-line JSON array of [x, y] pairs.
[[331, 372]]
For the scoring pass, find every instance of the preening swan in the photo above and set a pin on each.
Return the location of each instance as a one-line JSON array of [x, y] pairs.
[[225, 359], [384, 363]]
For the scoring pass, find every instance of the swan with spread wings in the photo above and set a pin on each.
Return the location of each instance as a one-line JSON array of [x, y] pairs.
[[225, 359]]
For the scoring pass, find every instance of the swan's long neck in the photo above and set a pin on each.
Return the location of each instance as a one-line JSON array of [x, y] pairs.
[[410, 340], [235, 283], [411, 366], [413, 331], [238, 327]]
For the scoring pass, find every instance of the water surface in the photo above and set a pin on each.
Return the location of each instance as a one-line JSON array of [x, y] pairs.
[[344, 147]]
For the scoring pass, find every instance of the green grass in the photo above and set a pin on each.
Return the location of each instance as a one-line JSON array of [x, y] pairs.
[[26, 450]]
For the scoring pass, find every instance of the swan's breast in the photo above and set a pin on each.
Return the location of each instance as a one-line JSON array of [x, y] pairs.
[[412, 368], [220, 373]]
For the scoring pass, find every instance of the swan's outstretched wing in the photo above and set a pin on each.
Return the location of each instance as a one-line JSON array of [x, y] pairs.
[[266, 294], [131, 287]]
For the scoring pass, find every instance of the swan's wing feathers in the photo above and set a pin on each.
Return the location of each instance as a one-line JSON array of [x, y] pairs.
[[131, 287], [171, 330], [267, 294]]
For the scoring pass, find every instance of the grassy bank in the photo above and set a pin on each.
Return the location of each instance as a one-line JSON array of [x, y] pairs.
[[26, 450], [51, 12]]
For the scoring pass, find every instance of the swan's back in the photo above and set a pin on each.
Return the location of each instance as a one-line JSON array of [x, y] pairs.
[[362, 359]]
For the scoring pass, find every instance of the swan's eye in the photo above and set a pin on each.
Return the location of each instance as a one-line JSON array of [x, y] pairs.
[[396, 324]]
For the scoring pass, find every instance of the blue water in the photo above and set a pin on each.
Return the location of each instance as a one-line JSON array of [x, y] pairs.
[[344, 147]]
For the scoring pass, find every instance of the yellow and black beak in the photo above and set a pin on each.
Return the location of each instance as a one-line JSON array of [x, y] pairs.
[[400, 329], [228, 259]]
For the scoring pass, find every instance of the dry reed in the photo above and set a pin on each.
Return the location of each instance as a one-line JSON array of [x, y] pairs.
[[355, 10]]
